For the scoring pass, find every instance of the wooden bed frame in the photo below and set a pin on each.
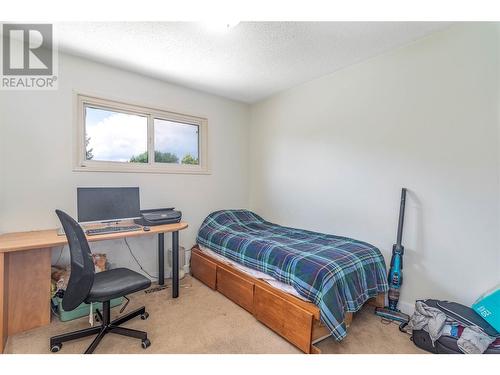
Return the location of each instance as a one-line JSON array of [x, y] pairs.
[[295, 320]]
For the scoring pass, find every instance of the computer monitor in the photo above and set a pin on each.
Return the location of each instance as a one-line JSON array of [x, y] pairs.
[[107, 204]]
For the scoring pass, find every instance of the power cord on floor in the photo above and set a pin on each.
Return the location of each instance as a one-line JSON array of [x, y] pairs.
[[126, 304], [138, 263], [402, 326]]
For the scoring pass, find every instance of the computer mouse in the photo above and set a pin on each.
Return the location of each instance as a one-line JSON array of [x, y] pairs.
[[146, 229]]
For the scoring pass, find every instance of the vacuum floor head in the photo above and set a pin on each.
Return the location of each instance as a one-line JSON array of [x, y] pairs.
[[386, 313]]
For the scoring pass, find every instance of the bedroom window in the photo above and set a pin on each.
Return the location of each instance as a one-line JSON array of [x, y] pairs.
[[176, 142], [119, 137]]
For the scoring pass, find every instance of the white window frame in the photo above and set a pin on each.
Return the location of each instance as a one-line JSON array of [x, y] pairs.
[[82, 164]]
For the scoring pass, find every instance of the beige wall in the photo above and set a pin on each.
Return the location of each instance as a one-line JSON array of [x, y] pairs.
[[332, 155], [36, 152]]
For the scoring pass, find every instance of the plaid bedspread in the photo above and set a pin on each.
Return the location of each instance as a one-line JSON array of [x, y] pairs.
[[338, 274]]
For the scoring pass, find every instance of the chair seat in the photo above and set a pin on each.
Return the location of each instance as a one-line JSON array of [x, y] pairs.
[[116, 283]]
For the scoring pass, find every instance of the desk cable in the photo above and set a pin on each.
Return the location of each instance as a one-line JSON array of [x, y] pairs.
[[138, 263], [60, 256]]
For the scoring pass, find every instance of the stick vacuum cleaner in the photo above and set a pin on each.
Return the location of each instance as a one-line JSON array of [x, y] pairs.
[[395, 277]]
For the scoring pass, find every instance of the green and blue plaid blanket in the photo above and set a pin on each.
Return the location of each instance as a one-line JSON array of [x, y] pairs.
[[338, 274]]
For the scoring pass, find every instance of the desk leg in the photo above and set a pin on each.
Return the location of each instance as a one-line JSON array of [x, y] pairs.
[[175, 264], [161, 258]]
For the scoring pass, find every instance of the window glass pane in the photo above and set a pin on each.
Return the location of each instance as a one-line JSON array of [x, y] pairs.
[[115, 136], [176, 142]]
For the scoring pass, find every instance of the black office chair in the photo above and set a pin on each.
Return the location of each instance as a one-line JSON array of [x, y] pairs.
[[86, 286]]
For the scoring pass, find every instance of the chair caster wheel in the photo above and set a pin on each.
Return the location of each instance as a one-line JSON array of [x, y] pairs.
[[55, 348], [146, 343], [144, 316]]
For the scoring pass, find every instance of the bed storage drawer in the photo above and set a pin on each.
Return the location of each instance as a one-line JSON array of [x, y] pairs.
[[236, 288], [284, 317], [204, 270]]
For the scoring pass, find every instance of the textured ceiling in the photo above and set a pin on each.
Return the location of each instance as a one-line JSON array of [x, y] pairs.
[[247, 62]]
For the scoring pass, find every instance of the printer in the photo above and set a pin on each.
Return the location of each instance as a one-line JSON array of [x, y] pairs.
[[158, 216]]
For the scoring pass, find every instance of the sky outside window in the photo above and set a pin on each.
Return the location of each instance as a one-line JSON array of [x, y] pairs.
[[115, 136], [176, 142], [122, 137]]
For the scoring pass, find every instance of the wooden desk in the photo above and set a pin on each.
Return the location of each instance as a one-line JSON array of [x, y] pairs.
[[25, 272]]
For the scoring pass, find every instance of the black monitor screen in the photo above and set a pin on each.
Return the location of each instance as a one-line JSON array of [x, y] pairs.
[[101, 204]]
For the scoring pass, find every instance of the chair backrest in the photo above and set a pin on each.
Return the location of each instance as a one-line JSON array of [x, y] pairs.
[[82, 266]]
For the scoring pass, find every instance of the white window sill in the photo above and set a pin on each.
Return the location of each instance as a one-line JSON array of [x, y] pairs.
[[142, 169]]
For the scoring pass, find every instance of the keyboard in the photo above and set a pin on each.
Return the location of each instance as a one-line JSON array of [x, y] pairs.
[[117, 229]]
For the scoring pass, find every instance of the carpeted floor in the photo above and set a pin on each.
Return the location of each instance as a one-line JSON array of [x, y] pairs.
[[203, 321]]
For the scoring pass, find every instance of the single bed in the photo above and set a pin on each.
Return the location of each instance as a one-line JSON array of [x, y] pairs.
[[336, 275]]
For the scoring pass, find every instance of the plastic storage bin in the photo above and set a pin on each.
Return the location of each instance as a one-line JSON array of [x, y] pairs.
[[82, 310]]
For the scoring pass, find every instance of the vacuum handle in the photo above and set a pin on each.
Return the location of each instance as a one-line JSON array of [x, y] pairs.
[[401, 218]]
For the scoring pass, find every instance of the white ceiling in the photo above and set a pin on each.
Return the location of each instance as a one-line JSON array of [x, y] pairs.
[[247, 62]]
